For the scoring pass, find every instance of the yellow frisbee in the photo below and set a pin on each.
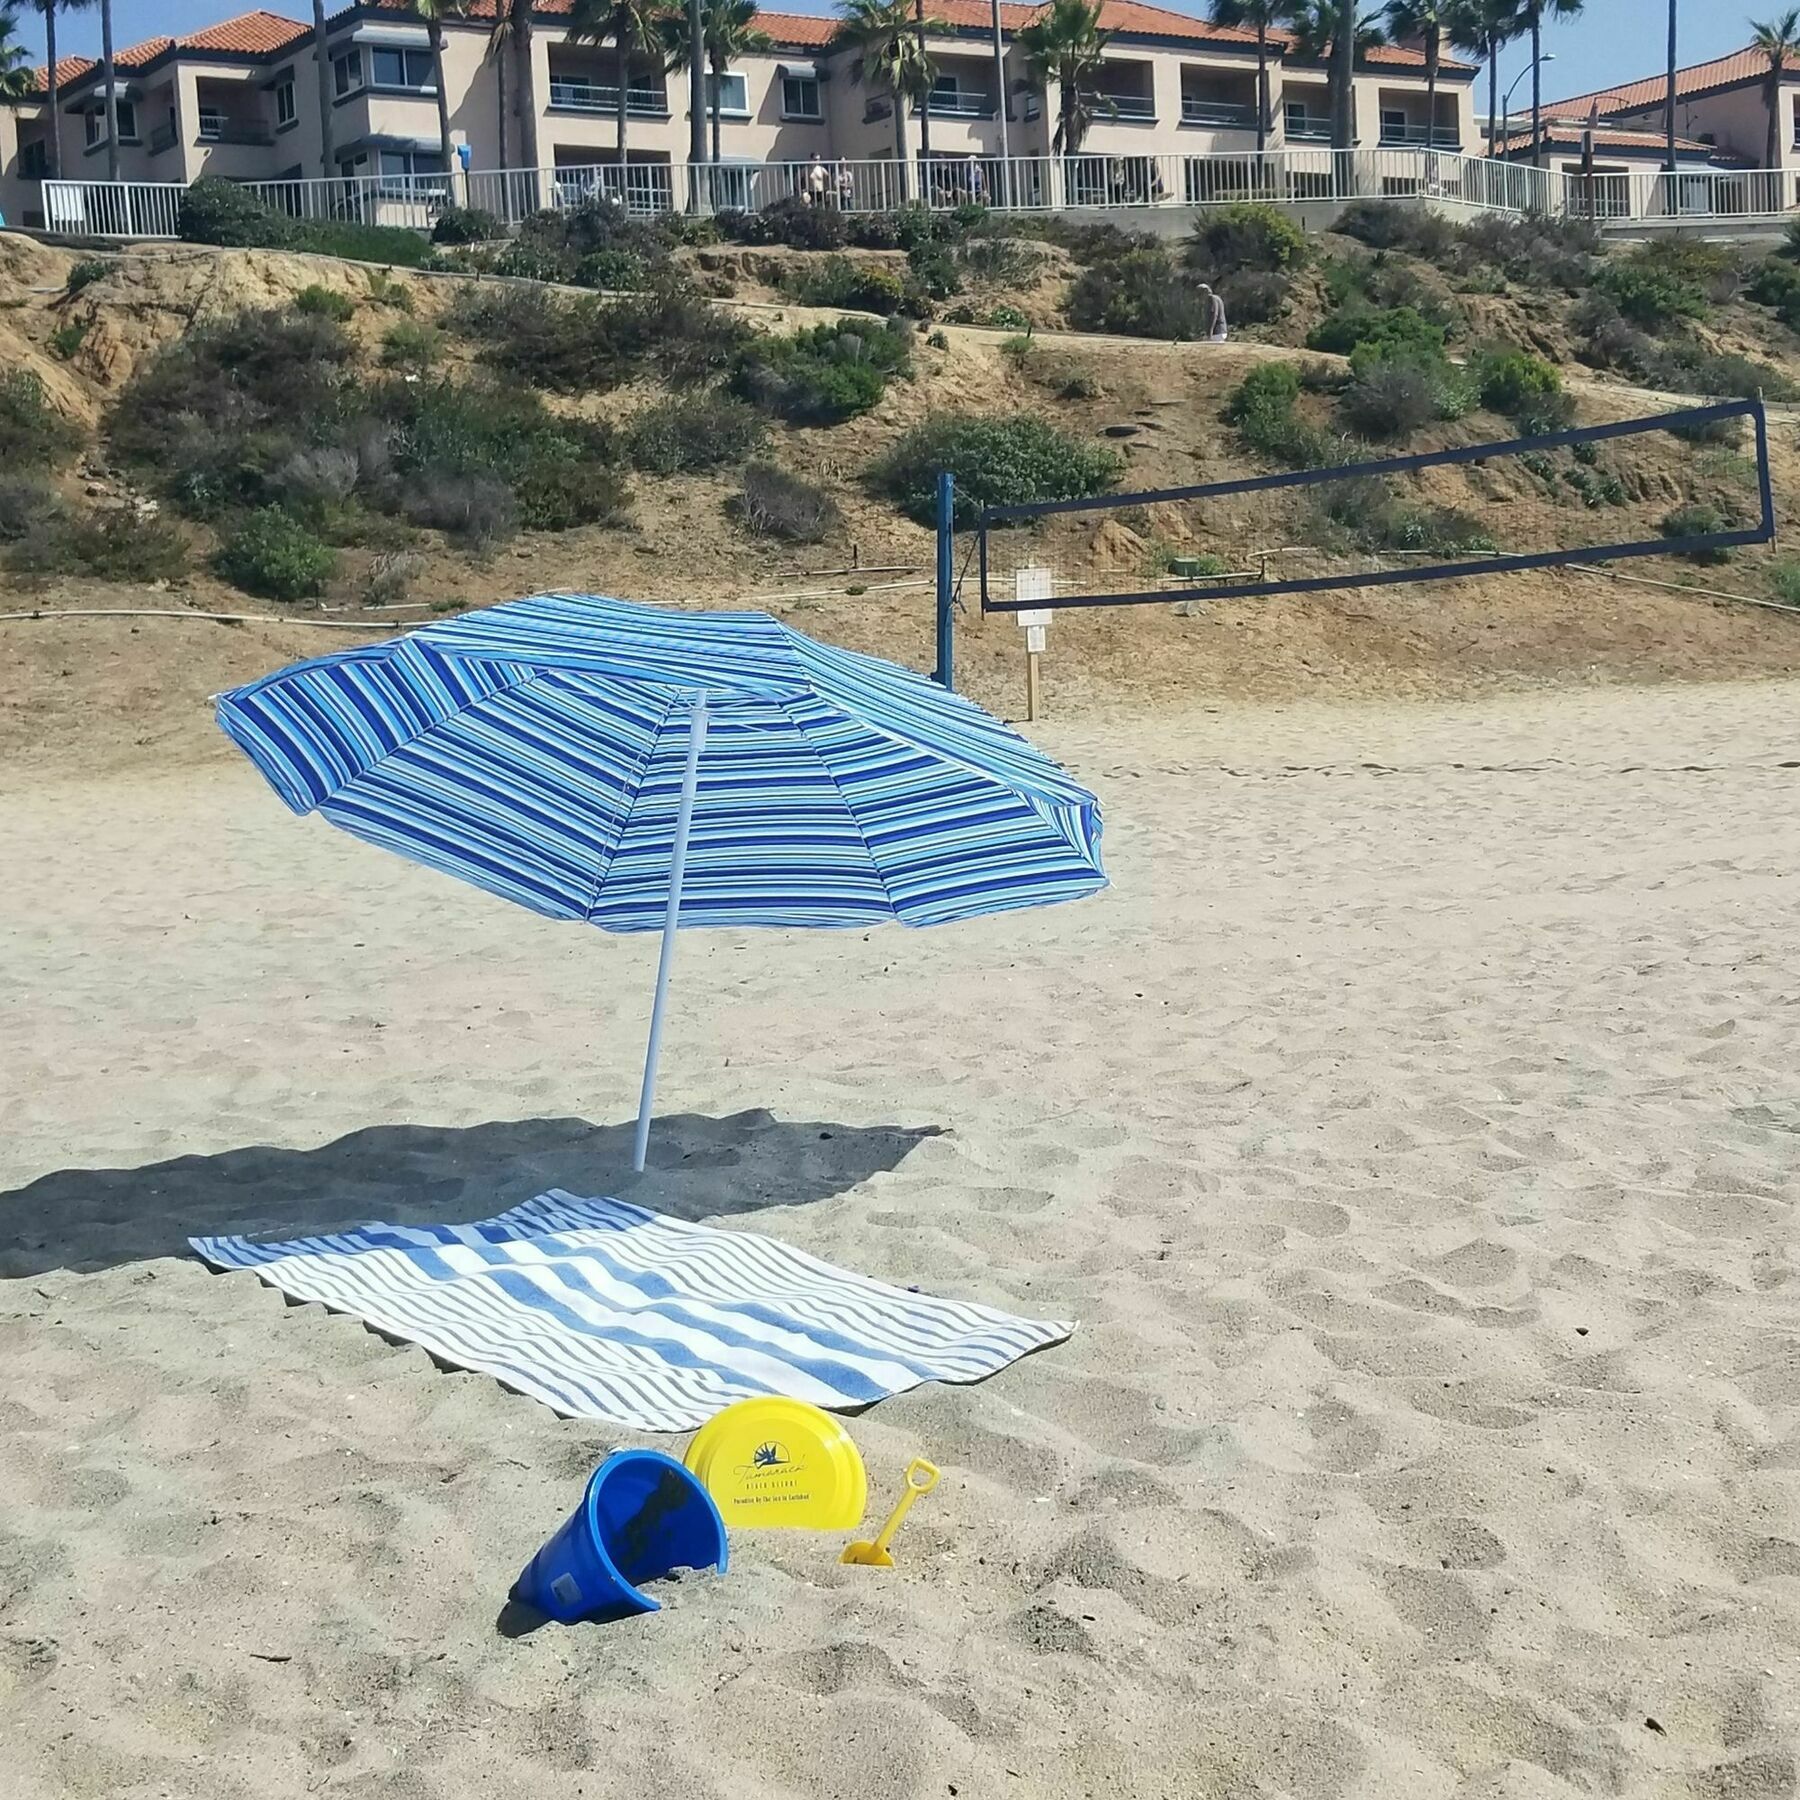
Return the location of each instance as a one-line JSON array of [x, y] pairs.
[[780, 1462]]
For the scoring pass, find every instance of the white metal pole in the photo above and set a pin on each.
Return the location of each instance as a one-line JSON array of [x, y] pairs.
[[677, 868]]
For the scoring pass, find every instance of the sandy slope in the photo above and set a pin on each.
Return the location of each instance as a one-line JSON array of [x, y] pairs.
[[1413, 1127]]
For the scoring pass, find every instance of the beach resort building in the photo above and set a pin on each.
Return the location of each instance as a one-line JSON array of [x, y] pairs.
[[241, 100]]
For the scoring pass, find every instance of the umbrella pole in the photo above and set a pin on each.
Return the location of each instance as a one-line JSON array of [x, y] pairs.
[[677, 869]]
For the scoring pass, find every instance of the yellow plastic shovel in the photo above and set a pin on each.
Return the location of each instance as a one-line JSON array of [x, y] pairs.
[[921, 1478]]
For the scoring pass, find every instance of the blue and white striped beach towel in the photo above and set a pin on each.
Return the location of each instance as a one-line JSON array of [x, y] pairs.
[[603, 1310]]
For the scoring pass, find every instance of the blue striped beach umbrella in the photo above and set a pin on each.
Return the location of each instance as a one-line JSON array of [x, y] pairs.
[[640, 769]]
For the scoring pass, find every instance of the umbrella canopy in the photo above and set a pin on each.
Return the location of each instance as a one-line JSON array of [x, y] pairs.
[[637, 768]]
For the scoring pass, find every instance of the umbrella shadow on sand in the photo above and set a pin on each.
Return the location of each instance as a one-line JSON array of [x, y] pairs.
[[91, 1219]]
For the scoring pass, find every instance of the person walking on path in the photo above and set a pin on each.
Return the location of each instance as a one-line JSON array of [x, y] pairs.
[[1216, 328]]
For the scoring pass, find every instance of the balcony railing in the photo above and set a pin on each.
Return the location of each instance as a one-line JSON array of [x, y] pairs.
[[1228, 114], [585, 96], [1126, 106], [1444, 137], [1311, 130], [216, 128], [958, 106]]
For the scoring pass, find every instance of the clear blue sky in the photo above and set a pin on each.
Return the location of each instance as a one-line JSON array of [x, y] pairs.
[[1611, 41]]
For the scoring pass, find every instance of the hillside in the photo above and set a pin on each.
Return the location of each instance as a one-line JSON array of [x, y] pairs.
[[85, 692]]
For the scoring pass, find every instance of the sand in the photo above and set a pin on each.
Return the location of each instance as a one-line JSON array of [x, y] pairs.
[[1413, 1128]]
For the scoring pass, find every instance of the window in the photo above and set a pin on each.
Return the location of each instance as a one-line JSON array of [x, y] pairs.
[[732, 91], [800, 97], [1393, 121], [34, 161], [400, 68], [285, 111], [422, 168], [95, 123], [346, 72]]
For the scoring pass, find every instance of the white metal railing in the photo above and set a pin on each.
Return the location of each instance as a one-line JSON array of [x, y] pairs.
[[588, 96], [1289, 175], [1228, 115]]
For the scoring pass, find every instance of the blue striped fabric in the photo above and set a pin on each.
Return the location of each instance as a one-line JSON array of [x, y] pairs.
[[536, 749], [603, 1310]]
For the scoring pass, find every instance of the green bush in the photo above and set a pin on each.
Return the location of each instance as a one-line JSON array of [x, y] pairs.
[[325, 303], [1512, 381], [826, 374], [221, 212], [1384, 226], [1253, 296], [357, 243], [115, 545], [1365, 512], [619, 269], [1535, 251], [1697, 519], [86, 272], [1263, 407], [1390, 401], [1650, 290], [1246, 237], [795, 223], [692, 432], [477, 509], [934, 271], [839, 281], [1784, 582], [1395, 334], [1140, 294], [273, 555], [466, 225], [33, 435], [997, 461], [775, 504], [557, 495], [67, 338], [408, 345], [999, 262]]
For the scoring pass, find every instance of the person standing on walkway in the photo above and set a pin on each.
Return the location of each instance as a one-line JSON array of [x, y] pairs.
[[1216, 328]]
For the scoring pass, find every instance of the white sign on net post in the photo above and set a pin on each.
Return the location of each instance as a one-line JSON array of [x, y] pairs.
[[1032, 583]]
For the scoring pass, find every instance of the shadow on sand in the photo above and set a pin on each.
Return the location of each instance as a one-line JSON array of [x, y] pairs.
[[89, 1219]]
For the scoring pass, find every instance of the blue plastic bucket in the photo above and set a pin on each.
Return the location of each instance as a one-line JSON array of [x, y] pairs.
[[643, 1516]]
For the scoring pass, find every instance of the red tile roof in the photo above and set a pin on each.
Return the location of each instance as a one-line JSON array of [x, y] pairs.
[[249, 34], [1700, 78], [1566, 132]]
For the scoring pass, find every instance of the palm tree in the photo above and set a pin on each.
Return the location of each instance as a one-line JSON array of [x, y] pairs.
[[111, 98], [1316, 28], [634, 26], [16, 76], [1424, 20], [499, 52], [1257, 16], [727, 31], [322, 70], [1483, 28], [885, 41], [1536, 11], [53, 142], [1065, 44], [434, 13], [1778, 42], [1669, 96]]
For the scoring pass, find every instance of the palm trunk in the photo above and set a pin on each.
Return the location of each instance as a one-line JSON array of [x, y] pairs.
[[434, 32], [1433, 49], [55, 142], [112, 99], [1669, 104], [719, 70], [624, 101], [1537, 87], [1493, 99], [500, 91], [900, 142], [1772, 151], [525, 86], [322, 66], [1262, 85], [924, 104]]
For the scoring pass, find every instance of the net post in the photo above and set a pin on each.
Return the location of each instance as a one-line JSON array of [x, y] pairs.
[[945, 674]]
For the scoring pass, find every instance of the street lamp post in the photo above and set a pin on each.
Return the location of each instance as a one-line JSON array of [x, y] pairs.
[[1549, 56]]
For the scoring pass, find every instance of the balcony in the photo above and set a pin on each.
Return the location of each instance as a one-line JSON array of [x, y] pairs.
[[1445, 137], [1226, 115], [1126, 106], [1307, 129], [587, 96], [220, 128], [950, 104]]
